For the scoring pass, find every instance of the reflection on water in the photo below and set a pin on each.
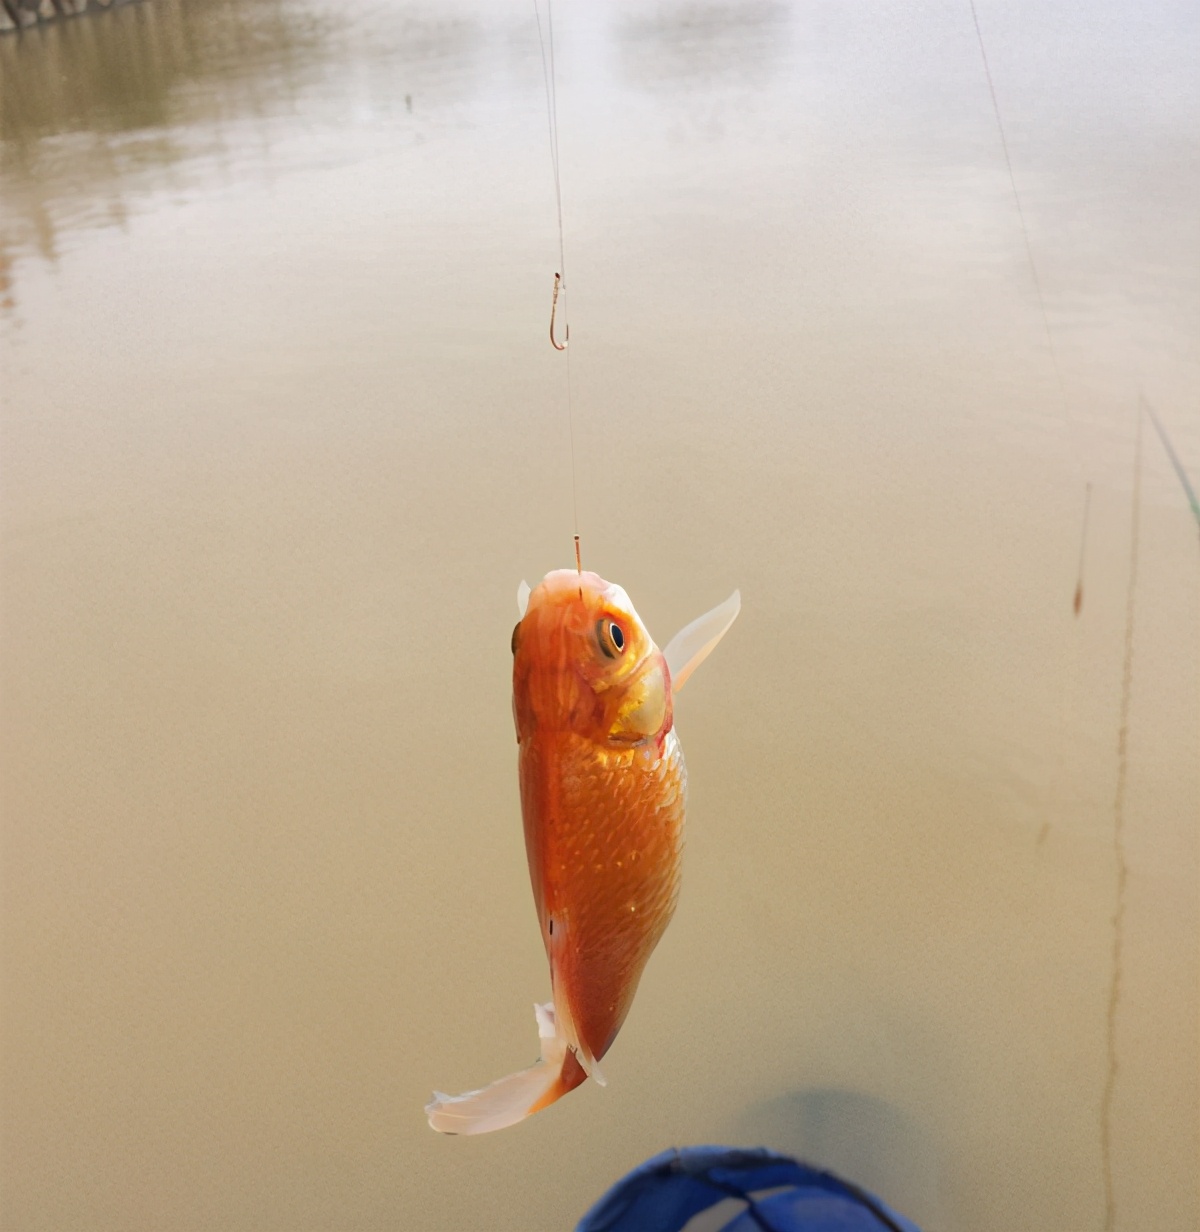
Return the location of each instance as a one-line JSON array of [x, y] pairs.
[[97, 116], [146, 67], [702, 44], [281, 431], [91, 111]]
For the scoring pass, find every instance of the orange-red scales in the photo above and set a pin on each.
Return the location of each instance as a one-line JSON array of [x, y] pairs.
[[603, 786]]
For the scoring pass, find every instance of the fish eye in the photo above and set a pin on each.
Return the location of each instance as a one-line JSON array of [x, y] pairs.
[[611, 637], [516, 637]]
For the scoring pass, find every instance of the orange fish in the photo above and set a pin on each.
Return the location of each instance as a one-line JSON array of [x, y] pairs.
[[602, 793]]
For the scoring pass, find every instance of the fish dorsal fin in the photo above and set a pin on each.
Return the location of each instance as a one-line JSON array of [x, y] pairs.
[[694, 643], [523, 593]]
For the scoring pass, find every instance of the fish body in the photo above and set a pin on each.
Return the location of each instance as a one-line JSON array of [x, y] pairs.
[[603, 788]]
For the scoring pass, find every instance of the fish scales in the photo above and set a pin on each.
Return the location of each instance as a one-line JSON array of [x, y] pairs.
[[613, 849], [603, 789]]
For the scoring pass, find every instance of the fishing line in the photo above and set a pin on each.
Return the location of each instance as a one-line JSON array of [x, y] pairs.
[[1064, 404], [1012, 179], [550, 79], [1122, 863], [1066, 713]]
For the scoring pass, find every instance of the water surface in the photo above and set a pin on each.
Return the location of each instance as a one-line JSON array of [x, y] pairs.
[[282, 433]]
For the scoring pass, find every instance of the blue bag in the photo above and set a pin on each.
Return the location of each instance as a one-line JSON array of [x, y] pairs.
[[665, 1192]]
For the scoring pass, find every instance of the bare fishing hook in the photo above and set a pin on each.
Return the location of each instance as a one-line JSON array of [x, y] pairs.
[[554, 309]]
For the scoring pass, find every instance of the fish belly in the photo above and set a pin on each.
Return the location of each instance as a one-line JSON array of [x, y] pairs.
[[604, 837]]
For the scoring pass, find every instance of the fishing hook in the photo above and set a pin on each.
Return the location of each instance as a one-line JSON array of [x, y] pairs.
[[553, 309]]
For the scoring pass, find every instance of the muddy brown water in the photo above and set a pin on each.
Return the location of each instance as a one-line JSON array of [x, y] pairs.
[[282, 432]]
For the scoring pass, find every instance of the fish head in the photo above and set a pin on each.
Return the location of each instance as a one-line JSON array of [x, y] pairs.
[[584, 662]]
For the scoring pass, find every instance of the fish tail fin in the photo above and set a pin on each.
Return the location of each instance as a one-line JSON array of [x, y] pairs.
[[511, 1099]]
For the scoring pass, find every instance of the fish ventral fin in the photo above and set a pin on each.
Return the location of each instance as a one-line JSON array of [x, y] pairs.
[[512, 1099], [696, 641]]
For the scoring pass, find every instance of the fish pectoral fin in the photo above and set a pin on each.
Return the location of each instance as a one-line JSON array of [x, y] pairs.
[[523, 593], [511, 1099], [694, 643]]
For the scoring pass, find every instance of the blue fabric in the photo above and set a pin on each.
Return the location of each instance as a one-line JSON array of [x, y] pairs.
[[665, 1192]]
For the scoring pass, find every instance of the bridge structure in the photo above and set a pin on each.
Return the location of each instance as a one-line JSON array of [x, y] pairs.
[[18, 15]]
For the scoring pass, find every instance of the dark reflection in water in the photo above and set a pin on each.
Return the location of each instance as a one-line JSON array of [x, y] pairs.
[[97, 113], [133, 69], [703, 44], [90, 108]]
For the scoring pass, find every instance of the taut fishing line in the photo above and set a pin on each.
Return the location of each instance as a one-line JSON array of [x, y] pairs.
[[1067, 709], [1122, 867], [549, 76], [1064, 403]]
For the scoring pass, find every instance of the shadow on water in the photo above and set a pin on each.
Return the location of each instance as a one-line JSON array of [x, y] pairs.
[[858, 1136]]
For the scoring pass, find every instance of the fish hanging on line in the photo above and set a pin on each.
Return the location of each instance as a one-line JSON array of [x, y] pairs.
[[602, 793]]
